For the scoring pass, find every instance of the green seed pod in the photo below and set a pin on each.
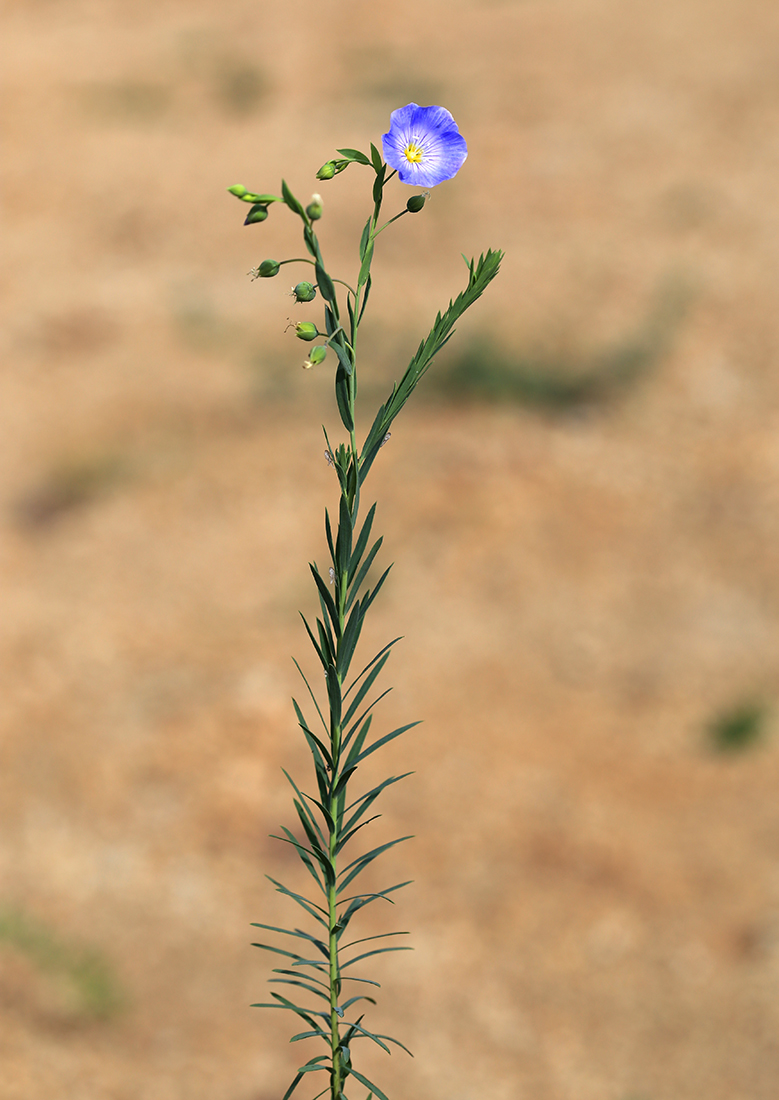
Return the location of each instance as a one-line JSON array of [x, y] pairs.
[[268, 268], [327, 171], [306, 330], [415, 203], [304, 292], [258, 213], [314, 208], [316, 356]]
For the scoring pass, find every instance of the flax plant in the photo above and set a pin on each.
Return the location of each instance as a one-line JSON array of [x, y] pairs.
[[423, 147]]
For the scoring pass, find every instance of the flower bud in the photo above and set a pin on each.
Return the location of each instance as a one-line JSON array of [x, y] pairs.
[[317, 356], [415, 203], [327, 171], [314, 208], [268, 268], [304, 292], [258, 213], [306, 330]]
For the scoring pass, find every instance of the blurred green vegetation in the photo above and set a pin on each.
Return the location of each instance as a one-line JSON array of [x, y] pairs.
[[91, 988], [557, 381], [739, 727], [72, 484]]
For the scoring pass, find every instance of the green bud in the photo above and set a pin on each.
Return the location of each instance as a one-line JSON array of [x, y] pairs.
[[327, 171], [258, 213], [268, 268], [316, 356], [304, 292], [306, 330], [415, 203], [314, 208]]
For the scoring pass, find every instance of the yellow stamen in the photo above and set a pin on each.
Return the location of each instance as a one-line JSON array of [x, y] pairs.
[[413, 153]]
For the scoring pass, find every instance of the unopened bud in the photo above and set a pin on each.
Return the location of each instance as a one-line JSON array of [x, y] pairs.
[[415, 203], [327, 171], [306, 330], [314, 208], [258, 213], [304, 292], [267, 269]]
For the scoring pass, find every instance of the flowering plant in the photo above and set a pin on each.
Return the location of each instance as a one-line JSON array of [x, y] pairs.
[[423, 147]]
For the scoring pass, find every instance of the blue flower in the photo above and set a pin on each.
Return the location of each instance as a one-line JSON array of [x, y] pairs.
[[424, 145]]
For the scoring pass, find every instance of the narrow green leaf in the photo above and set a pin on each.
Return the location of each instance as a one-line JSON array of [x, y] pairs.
[[358, 865], [377, 951], [311, 242], [364, 238], [384, 741], [364, 689], [328, 527], [313, 698], [327, 599], [296, 934], [325, 284], [292, 1087], [342, 396], [369, 1085], [365, 297], [354, 585], [305, 903], [334, 696], [292, 202], [355, 155], [359, 901], [372, 661], [351, 636], [362, 540], [360, 736], [344, 840], [367, 801], [317, 1032], [301, 985], [314, 642], [365, 266], [369, 597], [308, 977], [376, 158], [378, 183], [343, 542]]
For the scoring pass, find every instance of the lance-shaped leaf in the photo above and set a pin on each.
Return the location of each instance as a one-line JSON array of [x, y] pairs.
[[343, 543], [300, 985], [310, 907], [354, 155], [370, 664], [359, 901], [326, 598], [358, 865], [362, 541], [369, 1084], [313, 698], [384, 741], [367, 801], [480, 275], [354, 585], [320, 750], [369, 954], [292, 202]]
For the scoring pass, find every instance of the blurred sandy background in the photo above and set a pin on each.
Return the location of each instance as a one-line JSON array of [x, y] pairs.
[[586, 565]]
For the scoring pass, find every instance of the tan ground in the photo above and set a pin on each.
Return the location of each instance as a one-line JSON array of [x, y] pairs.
[[596, 908]]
